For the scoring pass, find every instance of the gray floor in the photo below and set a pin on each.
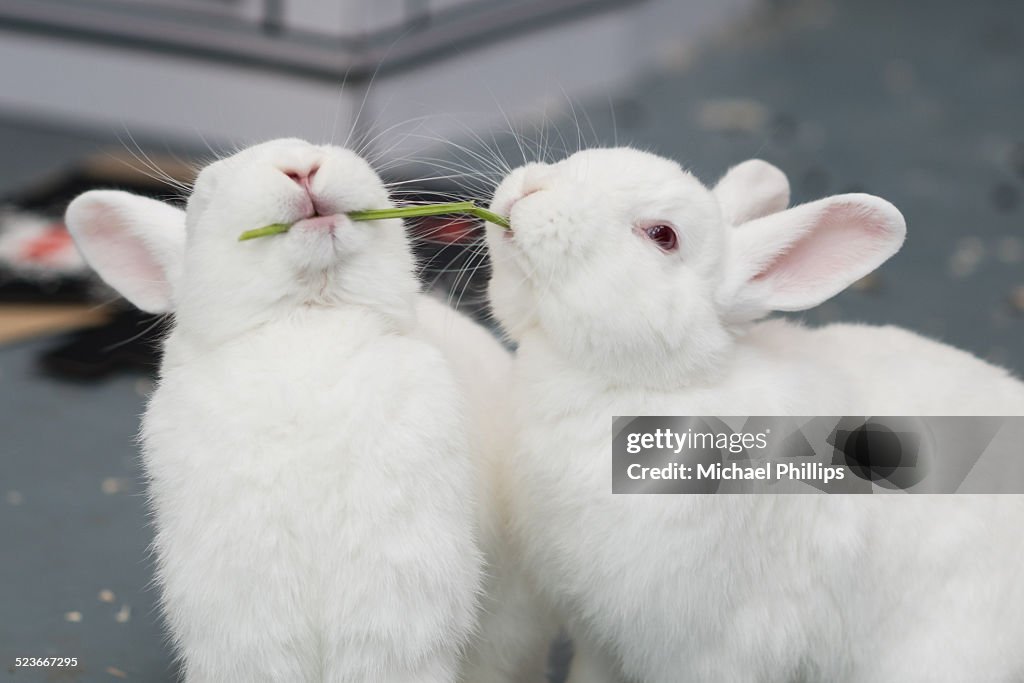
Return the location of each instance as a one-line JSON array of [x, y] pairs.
[[919, 101], [72, 524]]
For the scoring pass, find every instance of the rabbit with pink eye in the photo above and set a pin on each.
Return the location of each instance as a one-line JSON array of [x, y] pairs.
[[633, 289], [307, 447]]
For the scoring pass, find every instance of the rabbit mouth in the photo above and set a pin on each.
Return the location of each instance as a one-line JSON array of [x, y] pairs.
[[318, 223]]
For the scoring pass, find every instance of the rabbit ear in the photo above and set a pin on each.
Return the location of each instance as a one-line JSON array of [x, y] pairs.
[[136, 244], [750, 190], [798, 258]]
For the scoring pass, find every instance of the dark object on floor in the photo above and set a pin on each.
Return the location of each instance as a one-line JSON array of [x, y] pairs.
[[67, 290], [130, 342]]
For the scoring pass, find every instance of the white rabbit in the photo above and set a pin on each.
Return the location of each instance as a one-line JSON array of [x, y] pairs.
[[632, 289], [310, 472]]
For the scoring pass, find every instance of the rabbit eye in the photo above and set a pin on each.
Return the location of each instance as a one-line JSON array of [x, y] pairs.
[[662, 235]]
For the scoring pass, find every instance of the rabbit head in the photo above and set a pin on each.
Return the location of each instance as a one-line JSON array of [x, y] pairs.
[[631, 266], [191, 262]]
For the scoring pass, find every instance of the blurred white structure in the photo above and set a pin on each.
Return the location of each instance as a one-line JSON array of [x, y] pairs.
[[235, 71]]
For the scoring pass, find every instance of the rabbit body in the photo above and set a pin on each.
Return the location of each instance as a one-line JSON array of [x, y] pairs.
[[312, 498], [761, 588]]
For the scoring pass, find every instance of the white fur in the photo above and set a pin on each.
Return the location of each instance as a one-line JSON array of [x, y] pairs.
[[750, 190], [661, 589], [516, 626], [307, 446]]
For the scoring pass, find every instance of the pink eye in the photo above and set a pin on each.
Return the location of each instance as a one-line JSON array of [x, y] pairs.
[[662, 235]]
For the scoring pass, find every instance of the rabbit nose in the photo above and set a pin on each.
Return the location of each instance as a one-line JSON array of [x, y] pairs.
[[302, 176], [534, 180]]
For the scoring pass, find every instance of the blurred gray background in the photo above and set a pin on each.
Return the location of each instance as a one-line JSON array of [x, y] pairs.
[[919, 101]]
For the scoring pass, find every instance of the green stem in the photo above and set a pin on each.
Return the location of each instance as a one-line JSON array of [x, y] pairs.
[[274, 229], [490, 217], [412, 211], [468, 208]]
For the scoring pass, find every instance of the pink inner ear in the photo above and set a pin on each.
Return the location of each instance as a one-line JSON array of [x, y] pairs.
[[125, 262], [844, 242]]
